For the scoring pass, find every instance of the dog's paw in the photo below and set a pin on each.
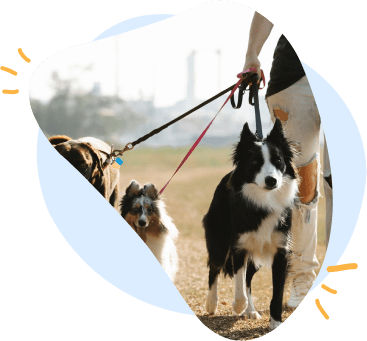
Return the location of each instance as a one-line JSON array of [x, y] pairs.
[[274, 324], [211, 305], [239, 305], [252, 315]]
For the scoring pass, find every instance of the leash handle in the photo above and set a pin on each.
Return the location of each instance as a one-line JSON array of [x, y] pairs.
[[241, 91], [244, 72], [247, 80], [242, 88]]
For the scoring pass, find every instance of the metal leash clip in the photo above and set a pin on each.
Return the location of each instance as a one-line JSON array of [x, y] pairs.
[[119, 152], [110, 157]]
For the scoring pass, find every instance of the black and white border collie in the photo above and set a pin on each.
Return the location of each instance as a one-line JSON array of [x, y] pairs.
[[145, 212], [249, 220]]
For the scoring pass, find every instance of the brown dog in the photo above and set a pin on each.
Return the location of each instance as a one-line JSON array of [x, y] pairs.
[[87, 155]]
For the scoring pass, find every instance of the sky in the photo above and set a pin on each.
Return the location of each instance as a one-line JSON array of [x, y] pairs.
[[156, 67]]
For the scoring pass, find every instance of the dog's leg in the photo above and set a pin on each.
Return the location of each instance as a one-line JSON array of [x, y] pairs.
[[279, 270], [239, 266], [250, 311], [212, 299]]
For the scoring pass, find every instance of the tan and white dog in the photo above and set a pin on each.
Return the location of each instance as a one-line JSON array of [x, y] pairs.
[[145, 212]]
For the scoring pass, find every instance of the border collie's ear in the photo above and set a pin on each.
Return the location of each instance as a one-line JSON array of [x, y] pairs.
[[133, 189], [246, 134], [277, 133], [150, 191], [278, 138], [246, 138], [57, 139]]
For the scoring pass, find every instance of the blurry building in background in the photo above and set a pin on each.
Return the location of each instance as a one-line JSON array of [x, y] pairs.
[[75, 112], [223, 132]]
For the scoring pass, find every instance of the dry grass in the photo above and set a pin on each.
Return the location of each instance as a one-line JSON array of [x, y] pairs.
[[187, 198]]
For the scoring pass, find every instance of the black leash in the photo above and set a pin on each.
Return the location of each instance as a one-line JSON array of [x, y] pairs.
[[131, 145], [253, 100], [242, 88], [158, 130], [114, 153]]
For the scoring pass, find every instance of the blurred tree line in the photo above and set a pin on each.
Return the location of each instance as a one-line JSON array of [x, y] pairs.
[[79, 113]]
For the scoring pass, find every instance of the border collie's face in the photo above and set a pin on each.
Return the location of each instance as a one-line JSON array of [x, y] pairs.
[[139, 209], [264, 163], [268, 165]]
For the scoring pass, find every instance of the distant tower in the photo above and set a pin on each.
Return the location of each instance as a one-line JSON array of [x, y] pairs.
[[190, 93], [117, 66], [96, 89], [219, 52]]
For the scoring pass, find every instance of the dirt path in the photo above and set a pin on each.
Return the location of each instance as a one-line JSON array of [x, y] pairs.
[[192, 283]]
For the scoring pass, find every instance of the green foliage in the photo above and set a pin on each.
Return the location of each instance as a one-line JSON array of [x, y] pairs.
[[77, 113]]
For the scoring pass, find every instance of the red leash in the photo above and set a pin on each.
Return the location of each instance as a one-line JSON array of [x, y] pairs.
[[206, 129]]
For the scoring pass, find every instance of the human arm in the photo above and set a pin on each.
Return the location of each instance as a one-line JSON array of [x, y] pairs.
[[259, 33]]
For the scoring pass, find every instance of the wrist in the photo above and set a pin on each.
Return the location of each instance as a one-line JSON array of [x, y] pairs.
[[252, 51], [251, 54]]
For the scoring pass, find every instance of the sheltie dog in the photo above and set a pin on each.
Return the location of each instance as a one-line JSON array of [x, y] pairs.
[[249, 220], [145, 212]]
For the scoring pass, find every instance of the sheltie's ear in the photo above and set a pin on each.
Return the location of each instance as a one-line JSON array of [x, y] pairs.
[[133, 189], [150, 191]]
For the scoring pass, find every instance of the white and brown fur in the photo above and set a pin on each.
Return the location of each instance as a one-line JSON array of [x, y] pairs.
[[145, 212], [249, 220]]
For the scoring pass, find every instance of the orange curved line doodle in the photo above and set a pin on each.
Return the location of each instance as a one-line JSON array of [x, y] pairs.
[[10, 92], [8, 70], [24, 56], [331, 291], [322, 311], [342, 267]]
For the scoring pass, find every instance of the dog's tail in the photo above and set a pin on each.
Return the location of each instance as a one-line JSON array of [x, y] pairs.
[[57, 139]]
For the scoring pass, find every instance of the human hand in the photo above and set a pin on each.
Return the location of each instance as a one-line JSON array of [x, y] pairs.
[[252, 61]]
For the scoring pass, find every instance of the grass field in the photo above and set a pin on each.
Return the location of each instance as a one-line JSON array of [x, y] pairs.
[[188, 197]]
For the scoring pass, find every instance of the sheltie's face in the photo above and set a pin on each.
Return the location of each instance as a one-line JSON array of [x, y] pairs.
[[143, 211], [139, 209]]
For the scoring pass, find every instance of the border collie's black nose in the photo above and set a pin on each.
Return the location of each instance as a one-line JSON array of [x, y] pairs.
[[141, 223], [270, 181]]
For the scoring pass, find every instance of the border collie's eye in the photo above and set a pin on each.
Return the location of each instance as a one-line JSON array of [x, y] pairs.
[[278, 161], [135, 210], [149, 210], [254, 162]]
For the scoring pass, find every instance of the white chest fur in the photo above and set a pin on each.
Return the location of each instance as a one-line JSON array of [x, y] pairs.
[[263, 243]]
